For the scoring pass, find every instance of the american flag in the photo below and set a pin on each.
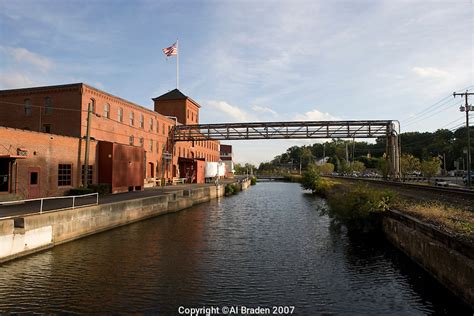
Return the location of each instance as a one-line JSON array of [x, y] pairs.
[[171, 51]]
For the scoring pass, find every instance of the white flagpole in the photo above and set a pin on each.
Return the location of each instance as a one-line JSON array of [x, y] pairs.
[[177, 65]]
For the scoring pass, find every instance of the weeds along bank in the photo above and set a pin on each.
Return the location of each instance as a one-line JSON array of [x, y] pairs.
[[438, 237]]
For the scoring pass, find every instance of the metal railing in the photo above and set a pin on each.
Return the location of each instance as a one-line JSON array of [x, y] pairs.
[[55, 206]]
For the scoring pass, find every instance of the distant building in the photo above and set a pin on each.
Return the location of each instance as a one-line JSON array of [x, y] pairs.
[[46, 115], [228, 159]]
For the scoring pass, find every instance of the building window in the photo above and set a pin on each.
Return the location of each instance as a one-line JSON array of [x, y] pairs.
[[163, 129], [89, 174], [151, 145], [140, 140], [46, 128], [64, 174], [157, 147], [151, 124], [107, 110], [92, 105], [157, 127], [131, 140], [120, 115], [142, 125], [192, 116], [188, 115], [132, 118], [27, 107], [48, 106]]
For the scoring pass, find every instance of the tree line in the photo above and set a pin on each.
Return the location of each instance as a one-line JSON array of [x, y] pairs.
[[421, 152]]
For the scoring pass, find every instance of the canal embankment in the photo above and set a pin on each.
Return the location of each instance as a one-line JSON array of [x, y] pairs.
[[23, 235], [438, 238]]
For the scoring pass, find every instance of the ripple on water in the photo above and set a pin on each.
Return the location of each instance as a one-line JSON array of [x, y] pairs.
[[266, 246]]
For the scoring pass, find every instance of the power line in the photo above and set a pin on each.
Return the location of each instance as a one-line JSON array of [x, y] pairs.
[[432, 106]]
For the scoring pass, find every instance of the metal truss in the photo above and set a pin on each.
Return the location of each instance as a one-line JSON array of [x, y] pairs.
[[284, 130]]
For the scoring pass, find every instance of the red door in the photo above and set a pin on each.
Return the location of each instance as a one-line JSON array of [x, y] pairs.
[[33, 183]]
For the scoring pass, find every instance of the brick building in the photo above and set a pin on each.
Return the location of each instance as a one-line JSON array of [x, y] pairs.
[[227, 158], [63, 110]]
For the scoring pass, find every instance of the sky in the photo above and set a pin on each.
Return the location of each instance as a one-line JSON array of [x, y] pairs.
[[258, 60]]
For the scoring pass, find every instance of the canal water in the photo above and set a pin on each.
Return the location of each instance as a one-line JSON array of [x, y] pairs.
[[267, 246]]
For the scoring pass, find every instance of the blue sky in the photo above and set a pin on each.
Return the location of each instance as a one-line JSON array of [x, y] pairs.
[[253, 60]]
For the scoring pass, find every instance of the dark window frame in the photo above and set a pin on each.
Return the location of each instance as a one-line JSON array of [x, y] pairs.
[[64, 175]]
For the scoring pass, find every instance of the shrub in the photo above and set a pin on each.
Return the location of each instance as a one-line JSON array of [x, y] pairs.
[[229, 189], [80, 191], [323, 186], [358, 207], [101, 188], [253, 181], [309, 178], [236, 187]]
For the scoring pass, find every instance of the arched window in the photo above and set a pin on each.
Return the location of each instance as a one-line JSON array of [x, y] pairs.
[[92, 105], [107, 110], [120, 115], [132, 118]]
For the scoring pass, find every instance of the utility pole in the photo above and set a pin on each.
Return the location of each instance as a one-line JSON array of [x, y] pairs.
[[88, 138], [466, 108]]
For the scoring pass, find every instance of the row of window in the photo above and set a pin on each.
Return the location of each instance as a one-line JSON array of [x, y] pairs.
[[48, 106], [185, 152], [65, 174], [152, 124]]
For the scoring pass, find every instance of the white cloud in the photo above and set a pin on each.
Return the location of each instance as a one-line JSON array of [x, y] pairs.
[[431, 72], [22, 55], [315, 115], [263, 109], [15, 80], [231, 111]]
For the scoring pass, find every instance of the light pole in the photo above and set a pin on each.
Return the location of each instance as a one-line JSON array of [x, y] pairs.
[[466, 108]]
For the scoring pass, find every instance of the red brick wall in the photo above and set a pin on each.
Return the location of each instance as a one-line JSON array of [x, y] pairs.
[[64, 118], [45, 151], [73, 123]]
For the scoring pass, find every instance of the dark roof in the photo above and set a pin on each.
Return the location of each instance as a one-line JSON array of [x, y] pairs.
[[172, 95]]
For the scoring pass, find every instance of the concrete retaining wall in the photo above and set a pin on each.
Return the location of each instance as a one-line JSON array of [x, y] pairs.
[[24, 235], [447, 259]]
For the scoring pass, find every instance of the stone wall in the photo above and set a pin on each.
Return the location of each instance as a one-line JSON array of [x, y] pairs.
[[448, 259], [33, 233]]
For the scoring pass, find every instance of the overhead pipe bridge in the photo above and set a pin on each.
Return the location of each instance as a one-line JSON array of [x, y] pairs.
[[297, 130]]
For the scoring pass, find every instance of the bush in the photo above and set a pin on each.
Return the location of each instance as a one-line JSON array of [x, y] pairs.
[[358, 207], [80, 191], [253, 181], [101, 188], [309, 178], [323, 186], [236, 187]]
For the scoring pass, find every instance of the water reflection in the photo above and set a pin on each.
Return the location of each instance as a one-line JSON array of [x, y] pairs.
[[265, 246]]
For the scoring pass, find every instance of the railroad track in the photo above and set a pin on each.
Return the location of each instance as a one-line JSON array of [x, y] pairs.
[[453, 192]]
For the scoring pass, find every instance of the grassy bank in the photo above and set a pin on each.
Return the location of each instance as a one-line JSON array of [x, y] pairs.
[[350, 203]]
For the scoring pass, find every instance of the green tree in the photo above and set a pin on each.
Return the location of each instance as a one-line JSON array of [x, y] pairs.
[[409, 164], [310, 178], [431, 167]]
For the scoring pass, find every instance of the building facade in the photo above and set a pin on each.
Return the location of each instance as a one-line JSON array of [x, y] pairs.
[[63, 111], [227, 158]]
